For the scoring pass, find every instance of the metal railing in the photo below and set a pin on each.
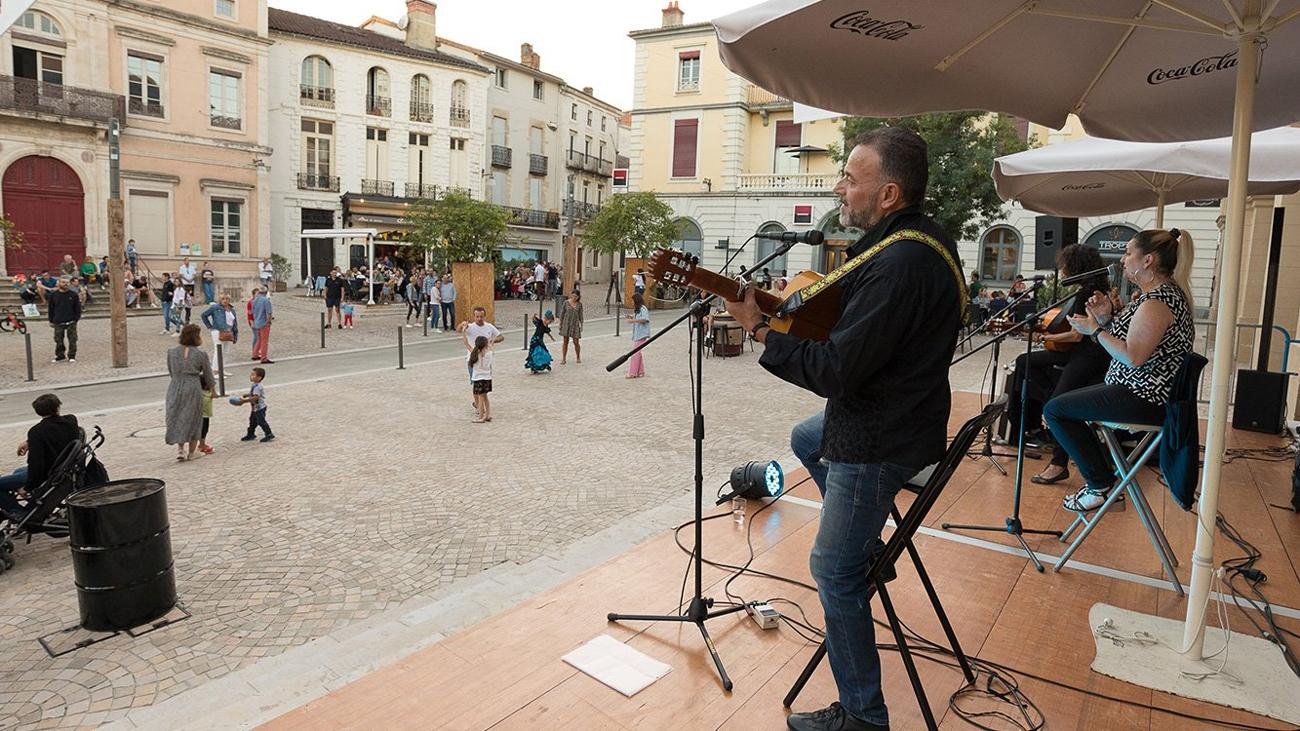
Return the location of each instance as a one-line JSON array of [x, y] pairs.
[[531, 217], [792, 181], [379, 106], [30, 95], [421, 112], [226, 122], [537, 164], [370, 186], [580, 209], [458, 116], [421, 190], [145, 107], [316, 96], [579, 160], [1207, 327], [309, 181], [688, 85], [500, 156]]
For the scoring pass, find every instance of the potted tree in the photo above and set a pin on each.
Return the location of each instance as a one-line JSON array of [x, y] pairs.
[[635, 224], [456, 231], [280, 272]]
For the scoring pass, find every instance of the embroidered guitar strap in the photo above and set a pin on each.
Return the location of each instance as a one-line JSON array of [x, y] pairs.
[[798, 299]]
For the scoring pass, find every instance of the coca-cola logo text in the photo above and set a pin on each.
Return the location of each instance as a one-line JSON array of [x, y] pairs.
[[1083, 186], [861, 22], [1203, 66]]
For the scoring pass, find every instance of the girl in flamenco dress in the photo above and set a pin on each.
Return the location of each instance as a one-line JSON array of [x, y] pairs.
[[539, 358]]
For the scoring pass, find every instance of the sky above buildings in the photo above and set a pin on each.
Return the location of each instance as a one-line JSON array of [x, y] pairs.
[[583, 41]]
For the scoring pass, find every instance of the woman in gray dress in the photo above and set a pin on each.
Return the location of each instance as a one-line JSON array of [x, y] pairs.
[[571, 326], [191, 373]]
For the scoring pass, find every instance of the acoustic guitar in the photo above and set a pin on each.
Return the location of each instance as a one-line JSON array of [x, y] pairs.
[[1054, 322], [812, 320]]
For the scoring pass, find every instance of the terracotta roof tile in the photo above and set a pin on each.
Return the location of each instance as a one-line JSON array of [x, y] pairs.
[[284, 21]]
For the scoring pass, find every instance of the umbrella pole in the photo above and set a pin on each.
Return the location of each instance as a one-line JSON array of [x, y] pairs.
[[1160, 208], [1226, 329]]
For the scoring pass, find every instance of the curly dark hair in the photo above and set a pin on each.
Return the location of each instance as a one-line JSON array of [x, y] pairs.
[[1077, 259]]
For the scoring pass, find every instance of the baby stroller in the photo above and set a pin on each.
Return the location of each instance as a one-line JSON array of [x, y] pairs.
[[76, 469]]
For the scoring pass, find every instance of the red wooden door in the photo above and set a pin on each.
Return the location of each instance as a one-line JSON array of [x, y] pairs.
[[44, 199]]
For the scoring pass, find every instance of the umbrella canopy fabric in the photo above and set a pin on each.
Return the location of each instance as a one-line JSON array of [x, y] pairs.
[[1094, 177], [1120, 65]]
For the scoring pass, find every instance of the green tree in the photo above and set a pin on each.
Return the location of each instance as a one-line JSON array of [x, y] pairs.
[[10, 236], [455, 227], [637, 223], [962, 145]]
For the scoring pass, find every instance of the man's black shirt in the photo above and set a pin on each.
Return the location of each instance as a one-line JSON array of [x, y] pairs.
[[334, 287], [884, 370], [64, 307], [45, 442]]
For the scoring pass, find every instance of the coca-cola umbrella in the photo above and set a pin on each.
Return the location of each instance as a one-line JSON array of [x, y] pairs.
[[1095, 176], [1140, 70]]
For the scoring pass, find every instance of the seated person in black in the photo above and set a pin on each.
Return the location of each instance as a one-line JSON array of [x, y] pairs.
[[45, 442], [1083, 364]]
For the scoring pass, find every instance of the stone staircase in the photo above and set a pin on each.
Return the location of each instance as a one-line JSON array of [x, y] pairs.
[[97, 308]]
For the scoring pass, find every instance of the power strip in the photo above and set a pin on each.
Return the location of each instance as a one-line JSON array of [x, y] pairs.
[[763, 615]]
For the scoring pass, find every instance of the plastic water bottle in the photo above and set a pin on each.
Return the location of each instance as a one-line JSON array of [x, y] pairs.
[[738, 510]]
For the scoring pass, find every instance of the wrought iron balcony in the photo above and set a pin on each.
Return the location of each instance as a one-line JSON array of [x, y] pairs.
[[500, 156], [310, 181], [421, 112], [145, 107], [581, 210], [537, 164], [421, 190], [370, 186], [225, 122], [459, 116], [579, 160], [379, 106], [316, 96], [534, 218], [32, 96]]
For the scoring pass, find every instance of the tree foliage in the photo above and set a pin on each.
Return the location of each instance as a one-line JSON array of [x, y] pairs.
[[962, 145], [10, 236], [455, 227], [637, 223]]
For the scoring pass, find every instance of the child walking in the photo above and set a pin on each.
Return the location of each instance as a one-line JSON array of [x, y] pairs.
[[208, 395], [257, 397], [348, 309], [480, 364]]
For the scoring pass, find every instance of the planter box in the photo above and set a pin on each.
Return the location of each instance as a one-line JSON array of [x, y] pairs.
[[630, 265], [279, 286], [474, 288]]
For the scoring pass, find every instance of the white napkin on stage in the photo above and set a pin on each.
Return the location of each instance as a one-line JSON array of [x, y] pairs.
[[615, 664]]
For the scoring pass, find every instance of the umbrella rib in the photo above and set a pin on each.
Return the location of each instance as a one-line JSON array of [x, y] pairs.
[[1189, 13], [1287, 18], [1236, 17], [1083, 98], [950, 59], [1154, 24]]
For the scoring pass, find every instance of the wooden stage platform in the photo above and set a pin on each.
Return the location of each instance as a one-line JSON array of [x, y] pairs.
[[506, 672]]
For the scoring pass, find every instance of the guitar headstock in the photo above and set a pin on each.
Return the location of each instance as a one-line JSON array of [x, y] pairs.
[[673, 267]]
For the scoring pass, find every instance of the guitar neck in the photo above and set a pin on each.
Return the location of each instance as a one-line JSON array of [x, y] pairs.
[[729, 290]]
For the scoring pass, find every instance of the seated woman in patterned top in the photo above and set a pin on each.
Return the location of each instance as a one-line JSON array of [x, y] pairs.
[[1146, 340]]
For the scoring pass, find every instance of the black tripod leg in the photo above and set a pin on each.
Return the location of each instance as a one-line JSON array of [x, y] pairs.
[[908, 662], [808, 670], [713, 652], [939, 612]]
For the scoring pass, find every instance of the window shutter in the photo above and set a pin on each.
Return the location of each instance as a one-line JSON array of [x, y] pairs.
[[684, 142], [788, 134], [686, 55]]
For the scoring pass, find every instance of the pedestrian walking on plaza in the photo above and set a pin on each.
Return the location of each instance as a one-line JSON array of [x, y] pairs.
[[432, 298], [168, 302], [64, 308], [414, 305], [480, 372], [265, 272], [209, 280], [221, 322], [539, 358], [346, 320], [571, 327], [257, 397], [334, 288], [191, 375], [262, 317], [179, 302], [447, 298], [640, 319]]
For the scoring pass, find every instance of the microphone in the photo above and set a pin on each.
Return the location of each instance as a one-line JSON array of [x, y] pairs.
[[1107, 270], [812, 236]]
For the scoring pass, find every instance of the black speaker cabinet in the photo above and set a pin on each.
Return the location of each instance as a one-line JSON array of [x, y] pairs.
[[1051, 233], [1261, 401]]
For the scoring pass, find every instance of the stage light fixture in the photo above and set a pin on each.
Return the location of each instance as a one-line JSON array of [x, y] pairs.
[[756, 480]]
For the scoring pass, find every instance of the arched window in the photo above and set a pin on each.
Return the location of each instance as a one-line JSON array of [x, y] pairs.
[[378, 100], [316, 87], [689, 237], [459, 104], [421, 99], [766, 247], [39, 22], [1000, 254]]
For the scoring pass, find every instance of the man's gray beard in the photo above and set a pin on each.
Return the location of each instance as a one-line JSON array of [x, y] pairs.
[[861, 220]]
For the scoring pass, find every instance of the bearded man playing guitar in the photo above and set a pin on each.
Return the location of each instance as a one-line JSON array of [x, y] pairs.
[[884, 374]]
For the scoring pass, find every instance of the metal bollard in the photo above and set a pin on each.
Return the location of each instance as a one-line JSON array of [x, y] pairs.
[[401, 350], [221, 368], [525, 332], [618, 319], [425, 320], [27, 338], [322, 331]]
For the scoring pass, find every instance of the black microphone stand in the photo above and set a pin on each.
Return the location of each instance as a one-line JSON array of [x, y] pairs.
[[1013, 524], [699, 610]]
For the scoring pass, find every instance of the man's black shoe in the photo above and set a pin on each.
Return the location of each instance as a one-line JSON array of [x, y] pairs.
[[830, 718]]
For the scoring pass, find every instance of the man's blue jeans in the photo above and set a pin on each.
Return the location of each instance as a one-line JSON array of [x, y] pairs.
[[856, 499], [209, 292], [167, 315], [9, 485]]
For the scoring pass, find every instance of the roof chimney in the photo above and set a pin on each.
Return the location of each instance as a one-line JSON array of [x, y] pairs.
[[528, 58], [673, 15], [420, 25]]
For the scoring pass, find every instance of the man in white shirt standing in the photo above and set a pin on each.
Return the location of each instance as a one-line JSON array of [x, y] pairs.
[[264, 273], [539, 279], [187, 273], [480, 326]]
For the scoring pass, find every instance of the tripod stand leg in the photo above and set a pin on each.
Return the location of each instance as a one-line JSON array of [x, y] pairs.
[[713, 652], [808, 669], [938, 606], [908, 662]]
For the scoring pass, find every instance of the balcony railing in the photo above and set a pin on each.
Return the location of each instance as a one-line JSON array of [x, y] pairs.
[[421, 112], [459, 116], [500, 156], [30, 95], [376, 187], [145, 107], [688, 85], [579, 160], [756, 96], [421, 190], [316, 96], [379, 106], [581, 210], [225, 122], [537, 164], [311, 181], [792, 181], [534, 218]]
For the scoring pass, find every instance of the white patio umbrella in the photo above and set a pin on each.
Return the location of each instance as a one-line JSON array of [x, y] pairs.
[[368, 234], [1142, 70], [1094, 176]]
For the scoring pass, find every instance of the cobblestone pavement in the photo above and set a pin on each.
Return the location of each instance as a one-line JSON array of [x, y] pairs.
[[296, 331], [378, 489]]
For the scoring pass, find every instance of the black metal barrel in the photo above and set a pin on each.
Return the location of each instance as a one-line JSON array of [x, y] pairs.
[[121, 553]]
